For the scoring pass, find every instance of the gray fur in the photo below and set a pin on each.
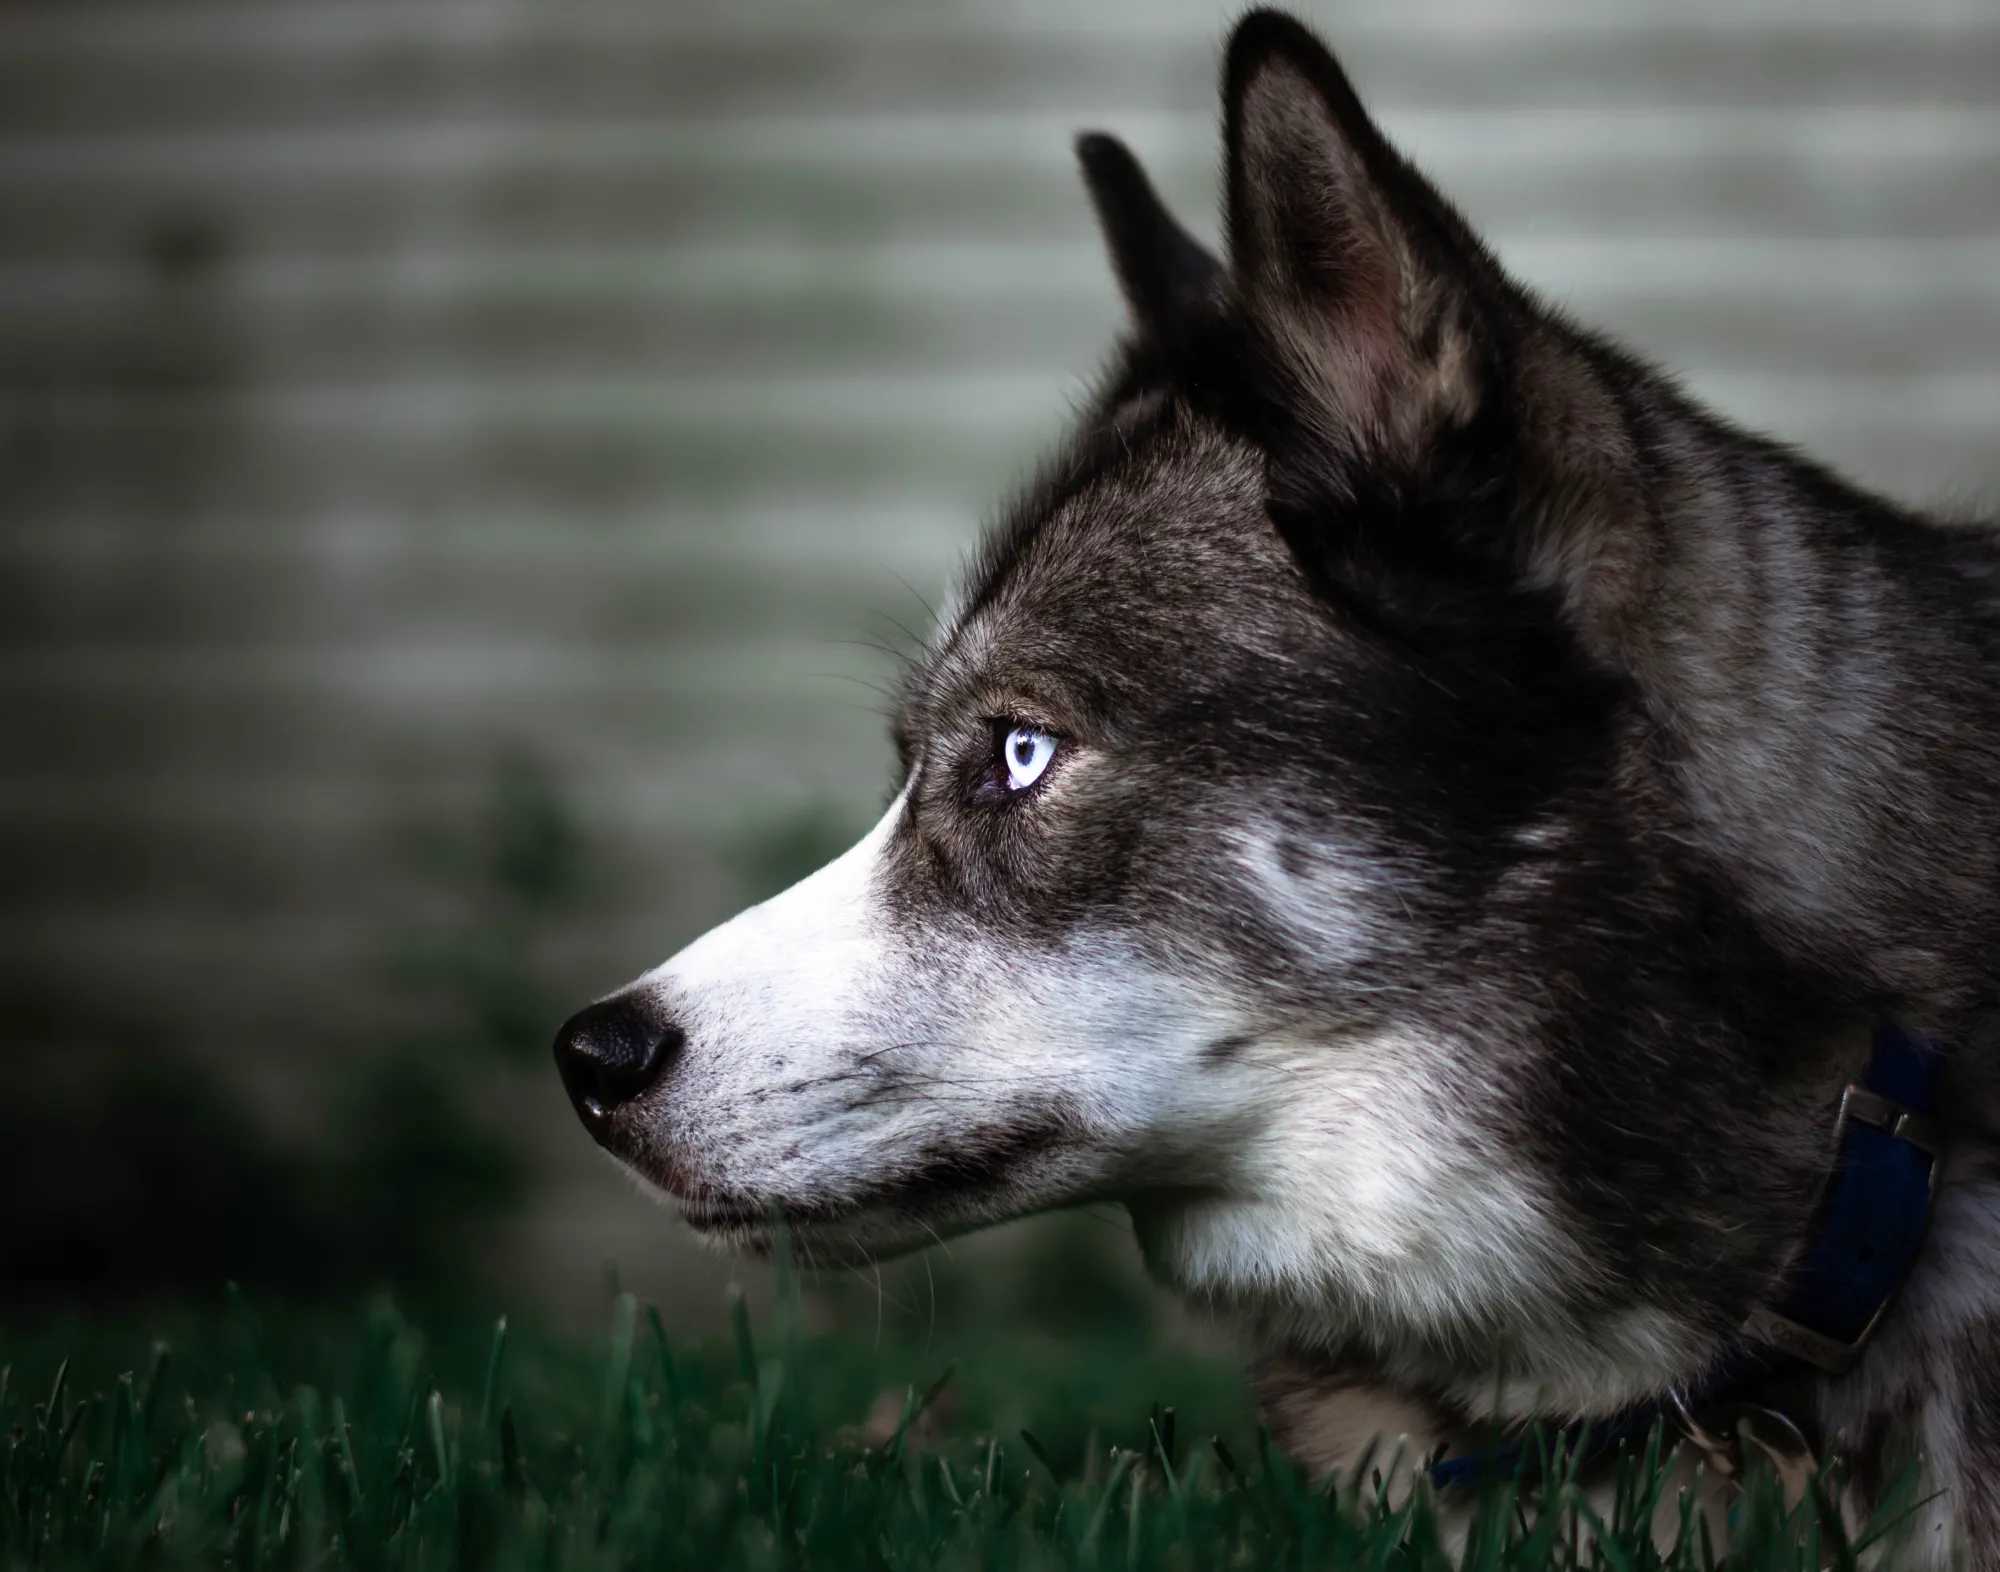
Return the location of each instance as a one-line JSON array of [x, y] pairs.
[[1493, 796]]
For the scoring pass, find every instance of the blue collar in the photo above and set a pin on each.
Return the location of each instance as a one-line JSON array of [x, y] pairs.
[[1869, 1226]]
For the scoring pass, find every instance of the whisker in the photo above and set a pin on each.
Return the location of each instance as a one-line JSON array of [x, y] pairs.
[[915, 641], [930, 1330], [1121, 1223], [917, 595]]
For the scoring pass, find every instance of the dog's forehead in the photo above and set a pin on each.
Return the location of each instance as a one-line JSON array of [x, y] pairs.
[[1148, 534]]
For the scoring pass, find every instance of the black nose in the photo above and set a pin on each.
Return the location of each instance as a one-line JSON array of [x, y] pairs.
[[611, 1052]]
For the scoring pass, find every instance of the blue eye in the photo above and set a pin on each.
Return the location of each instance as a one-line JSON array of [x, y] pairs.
[[1026, 752]]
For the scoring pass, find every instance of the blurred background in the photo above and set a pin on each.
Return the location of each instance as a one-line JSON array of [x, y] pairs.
[[466, 469]]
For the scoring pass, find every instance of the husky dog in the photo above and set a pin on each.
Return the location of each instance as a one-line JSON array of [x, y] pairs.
[[1423, 815]]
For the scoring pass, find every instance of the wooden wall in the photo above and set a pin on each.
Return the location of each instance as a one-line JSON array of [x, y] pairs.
[[387, 389]]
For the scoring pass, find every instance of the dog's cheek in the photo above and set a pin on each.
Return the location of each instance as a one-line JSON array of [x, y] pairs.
[[845, 1033], [1064, 1066]]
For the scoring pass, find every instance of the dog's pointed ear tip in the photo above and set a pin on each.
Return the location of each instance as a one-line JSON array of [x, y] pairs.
[[1265, 31], [1266, 35], [1101, 154]]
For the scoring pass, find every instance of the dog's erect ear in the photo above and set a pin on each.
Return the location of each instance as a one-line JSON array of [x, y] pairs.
[[1167, 276], [1358, 280]]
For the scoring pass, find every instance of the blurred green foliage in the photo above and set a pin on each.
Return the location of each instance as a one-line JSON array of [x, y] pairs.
[[515, 871], [153, 1178], [126, 1162]]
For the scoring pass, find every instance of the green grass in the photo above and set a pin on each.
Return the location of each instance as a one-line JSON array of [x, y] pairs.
[[304, 1444]]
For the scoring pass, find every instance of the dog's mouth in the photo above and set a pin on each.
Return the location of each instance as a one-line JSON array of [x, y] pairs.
[[938, 1194], [933, 1193], [755, 1225], [727, 1217], [821, 1235]]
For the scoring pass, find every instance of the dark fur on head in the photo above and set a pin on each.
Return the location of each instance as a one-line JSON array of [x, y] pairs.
[[1490, 799], [1761, 704]]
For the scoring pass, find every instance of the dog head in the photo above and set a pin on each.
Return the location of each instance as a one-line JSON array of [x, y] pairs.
[[1282, 848]]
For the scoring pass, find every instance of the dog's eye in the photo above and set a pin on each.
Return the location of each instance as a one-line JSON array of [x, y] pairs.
[[1026, 751]]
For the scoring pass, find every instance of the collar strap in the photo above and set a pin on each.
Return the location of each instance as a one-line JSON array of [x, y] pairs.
[[1872, 1220], [1865, 1238]]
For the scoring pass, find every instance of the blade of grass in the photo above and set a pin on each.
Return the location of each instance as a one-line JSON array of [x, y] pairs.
[[1041, 1455], [1120, 1465], [492, 1386], [1167, 1461]]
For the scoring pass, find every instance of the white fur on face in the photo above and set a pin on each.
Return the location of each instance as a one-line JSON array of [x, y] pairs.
[[836, 1055], [773, 974]]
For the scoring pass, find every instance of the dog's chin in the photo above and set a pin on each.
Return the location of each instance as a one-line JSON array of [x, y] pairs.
[[816, 1236], [727, 1226], [818, 1232]]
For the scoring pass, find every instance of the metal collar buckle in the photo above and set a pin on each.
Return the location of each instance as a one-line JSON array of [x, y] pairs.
[[1765, 1325], [1862, 1106]]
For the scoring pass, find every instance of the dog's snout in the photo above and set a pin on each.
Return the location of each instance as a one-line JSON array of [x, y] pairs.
[[612, 1051]]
